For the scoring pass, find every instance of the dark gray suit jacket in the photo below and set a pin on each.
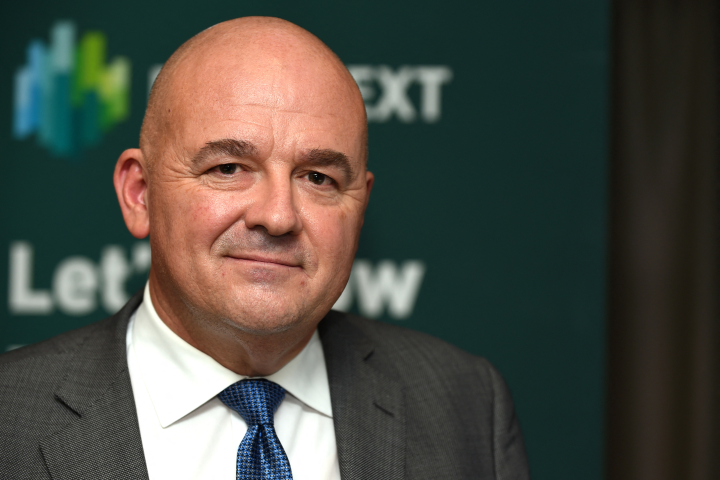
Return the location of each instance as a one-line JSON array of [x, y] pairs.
[[405, 406]]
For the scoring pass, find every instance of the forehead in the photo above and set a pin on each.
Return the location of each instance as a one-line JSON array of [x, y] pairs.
[[281, 97]]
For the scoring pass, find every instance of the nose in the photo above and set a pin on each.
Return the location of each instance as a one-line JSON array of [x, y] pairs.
[[274, 208]]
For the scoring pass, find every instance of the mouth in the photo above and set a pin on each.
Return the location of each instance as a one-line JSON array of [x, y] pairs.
[[266, 261]]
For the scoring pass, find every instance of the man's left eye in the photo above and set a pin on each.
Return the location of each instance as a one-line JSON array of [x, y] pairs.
[[319, 178]]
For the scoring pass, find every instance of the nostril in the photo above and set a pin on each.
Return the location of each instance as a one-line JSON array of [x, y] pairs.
[[277, 217]]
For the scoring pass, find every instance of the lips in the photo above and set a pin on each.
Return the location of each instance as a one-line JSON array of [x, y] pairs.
[[260, 259]]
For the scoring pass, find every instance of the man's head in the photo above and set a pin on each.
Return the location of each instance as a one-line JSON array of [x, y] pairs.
[[250, 180]]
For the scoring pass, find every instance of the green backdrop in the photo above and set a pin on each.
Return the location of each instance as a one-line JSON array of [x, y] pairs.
[[488, 139]]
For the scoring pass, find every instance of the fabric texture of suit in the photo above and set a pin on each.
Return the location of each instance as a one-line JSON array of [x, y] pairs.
[[405, 406]]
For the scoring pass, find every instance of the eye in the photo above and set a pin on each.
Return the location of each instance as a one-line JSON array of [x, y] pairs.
[[319, 178], [228, 168]]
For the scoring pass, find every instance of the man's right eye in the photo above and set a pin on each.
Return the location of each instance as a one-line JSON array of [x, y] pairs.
[[228, 168]]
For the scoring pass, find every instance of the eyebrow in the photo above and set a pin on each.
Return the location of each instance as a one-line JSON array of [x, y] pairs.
[[330, 158], [317, 157], [227, 147]]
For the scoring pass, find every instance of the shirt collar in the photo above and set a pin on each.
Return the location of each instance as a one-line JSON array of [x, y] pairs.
[[180, 378]]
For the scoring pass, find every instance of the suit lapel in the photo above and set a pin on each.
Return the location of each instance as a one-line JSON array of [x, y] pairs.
[[368, 407], [104, 441]]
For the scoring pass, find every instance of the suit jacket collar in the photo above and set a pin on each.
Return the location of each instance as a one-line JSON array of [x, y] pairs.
[[368, 407], [104, 441]]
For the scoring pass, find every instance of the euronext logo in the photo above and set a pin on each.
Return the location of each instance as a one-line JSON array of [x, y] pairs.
[[66, 94]]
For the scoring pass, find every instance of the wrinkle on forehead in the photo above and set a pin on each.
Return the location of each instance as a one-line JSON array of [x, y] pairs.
[[280, 110]]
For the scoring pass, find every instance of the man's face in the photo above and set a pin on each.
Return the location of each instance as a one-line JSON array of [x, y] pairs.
[[257, 196]]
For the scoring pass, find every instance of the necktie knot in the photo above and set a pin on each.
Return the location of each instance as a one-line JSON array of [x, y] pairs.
[[255, 400], [260, 455]]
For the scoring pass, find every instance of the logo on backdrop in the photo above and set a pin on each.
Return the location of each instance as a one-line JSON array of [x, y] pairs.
[[66, 95], [386, 91]]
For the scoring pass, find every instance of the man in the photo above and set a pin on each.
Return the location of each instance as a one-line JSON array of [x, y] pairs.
[[251, 182]]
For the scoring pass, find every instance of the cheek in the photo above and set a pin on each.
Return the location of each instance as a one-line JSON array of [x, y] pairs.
[[334, 233], [195, 219]]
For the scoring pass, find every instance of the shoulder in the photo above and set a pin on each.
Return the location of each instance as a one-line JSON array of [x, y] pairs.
[[412, 356], [31, 375], [48, 361], [60, 345], [404, 343]]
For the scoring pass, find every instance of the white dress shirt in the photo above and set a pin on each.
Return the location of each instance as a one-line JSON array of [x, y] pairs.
[[189, 434]]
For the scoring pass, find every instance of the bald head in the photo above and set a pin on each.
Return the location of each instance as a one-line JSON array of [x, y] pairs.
[[251, 56]]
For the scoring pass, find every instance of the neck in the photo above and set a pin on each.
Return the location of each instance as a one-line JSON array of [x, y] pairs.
[[248, 354]]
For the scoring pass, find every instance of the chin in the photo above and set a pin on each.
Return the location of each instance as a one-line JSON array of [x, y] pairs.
[[267, 317]]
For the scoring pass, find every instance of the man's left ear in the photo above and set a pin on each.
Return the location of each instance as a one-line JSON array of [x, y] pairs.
[[370, 180], [131, 189]]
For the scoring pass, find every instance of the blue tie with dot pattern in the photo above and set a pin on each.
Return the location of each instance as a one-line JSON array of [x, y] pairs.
[[260, 455]]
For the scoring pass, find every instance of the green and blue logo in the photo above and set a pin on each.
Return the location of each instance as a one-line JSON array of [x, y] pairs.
[[66, 95]]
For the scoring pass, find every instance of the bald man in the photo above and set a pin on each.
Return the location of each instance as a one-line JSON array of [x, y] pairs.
[[251, 183]]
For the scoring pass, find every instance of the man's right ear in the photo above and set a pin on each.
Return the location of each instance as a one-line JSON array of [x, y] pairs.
[[130, 179]]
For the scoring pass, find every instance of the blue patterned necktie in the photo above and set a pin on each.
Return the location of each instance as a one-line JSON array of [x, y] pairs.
[[260, 455]]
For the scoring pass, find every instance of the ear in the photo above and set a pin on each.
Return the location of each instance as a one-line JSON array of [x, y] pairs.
[[130, 179], [370, 180]]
